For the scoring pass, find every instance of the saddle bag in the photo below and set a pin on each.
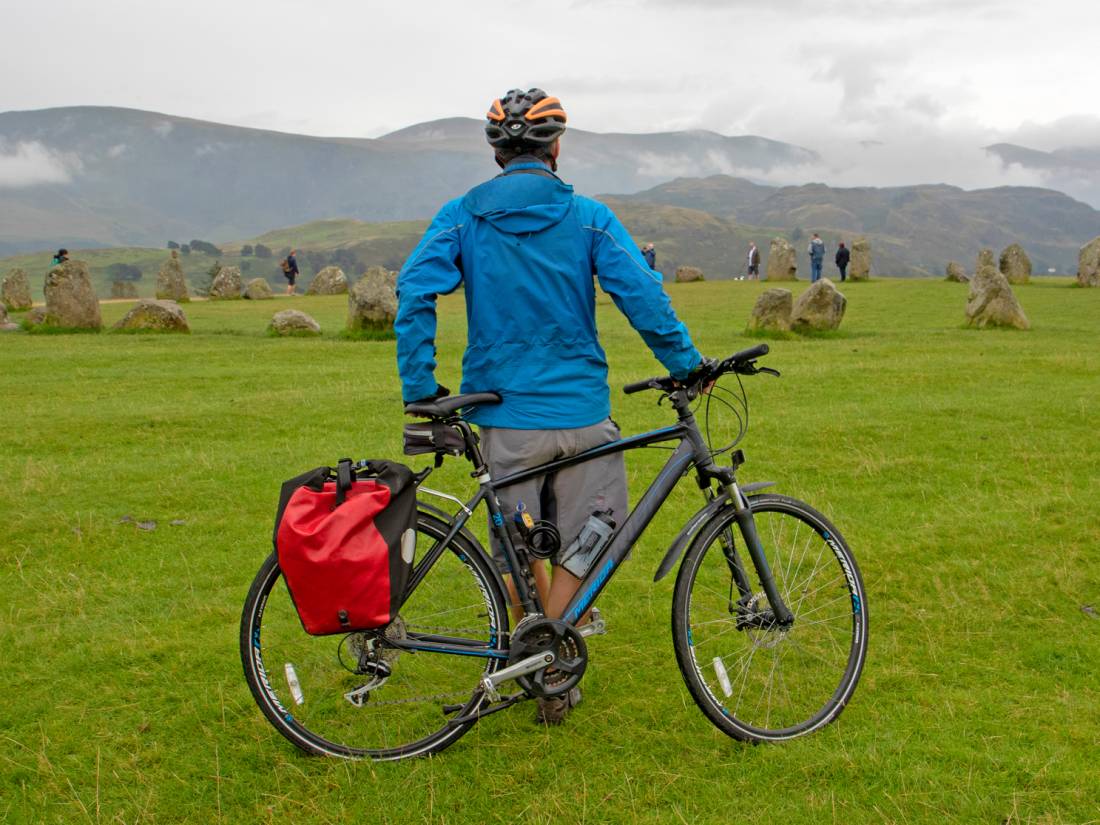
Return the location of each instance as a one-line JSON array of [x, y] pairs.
[[345, 541]]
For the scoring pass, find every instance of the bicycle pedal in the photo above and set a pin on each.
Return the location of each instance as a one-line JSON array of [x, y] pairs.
[[596, 626]]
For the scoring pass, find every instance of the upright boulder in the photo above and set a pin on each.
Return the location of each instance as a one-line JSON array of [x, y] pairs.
[[687, 274], [15, 291], [820, 307], [123, 289], [372, 302], [329, 281], [985, 258], [782, 261], [70, 300], [6, 324], [956, 273], [1015, 264], [291, 322], [258, 289], [992, 303], [171, 283], [772, 311], [226, 285], [1088, 264], [859, 268], [155, 316]]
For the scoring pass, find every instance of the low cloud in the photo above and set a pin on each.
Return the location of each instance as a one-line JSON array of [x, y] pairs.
[[30, 163]]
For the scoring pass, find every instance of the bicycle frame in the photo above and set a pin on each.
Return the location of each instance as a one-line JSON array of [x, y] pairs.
[[691, 452]]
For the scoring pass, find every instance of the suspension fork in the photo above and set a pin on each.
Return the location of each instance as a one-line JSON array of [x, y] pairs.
[[742, 513]]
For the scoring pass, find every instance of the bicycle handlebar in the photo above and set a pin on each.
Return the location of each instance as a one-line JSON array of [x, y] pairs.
[[741, 362]]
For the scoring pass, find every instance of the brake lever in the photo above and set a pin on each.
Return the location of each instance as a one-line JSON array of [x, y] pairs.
[[769, 371]]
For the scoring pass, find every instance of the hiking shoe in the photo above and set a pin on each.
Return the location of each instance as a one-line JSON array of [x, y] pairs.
[[553, 711]]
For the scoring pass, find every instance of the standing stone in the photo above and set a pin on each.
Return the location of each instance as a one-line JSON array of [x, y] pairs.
[[5, 323], [985, 258], [372, 302], [859, 268], [15, 292], [70, 300], [293, 322], [819, 307], [1088, 264], [155, 316], [991, 301], [772, 311], [1015, 264], [123, 289], [35, 318], [226, 285], [956, 273], [258, 289], [171, 283], [782, 261], [687, 274], [329, 281]]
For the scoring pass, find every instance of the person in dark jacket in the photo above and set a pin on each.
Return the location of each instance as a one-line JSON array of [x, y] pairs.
[[290, 271], [60, 258], [525, 247], [650, 255], [842, 257]]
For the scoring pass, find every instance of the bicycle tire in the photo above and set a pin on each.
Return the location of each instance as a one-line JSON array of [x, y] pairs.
[[813, 667], [409, 714]]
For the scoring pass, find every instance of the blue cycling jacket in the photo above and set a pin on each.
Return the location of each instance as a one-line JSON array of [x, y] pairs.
[[526, 248]]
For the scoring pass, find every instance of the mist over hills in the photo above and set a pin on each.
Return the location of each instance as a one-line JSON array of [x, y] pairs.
[[94, 176]]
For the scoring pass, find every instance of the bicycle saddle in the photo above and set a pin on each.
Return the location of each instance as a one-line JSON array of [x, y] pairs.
[[445, 407]]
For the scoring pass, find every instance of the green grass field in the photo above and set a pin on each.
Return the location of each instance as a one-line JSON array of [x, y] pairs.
[[961, 465]]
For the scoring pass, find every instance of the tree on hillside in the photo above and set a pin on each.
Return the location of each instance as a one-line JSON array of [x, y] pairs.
[[262, 251], [204, 247], [796, 234], [246, 250], [173, 245], [185, 249], [124, 272], [246, 266]]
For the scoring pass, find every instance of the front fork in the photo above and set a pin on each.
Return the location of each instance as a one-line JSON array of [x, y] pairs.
[[742, 513]]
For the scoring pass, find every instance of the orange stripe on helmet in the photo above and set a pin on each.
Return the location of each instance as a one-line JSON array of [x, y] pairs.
[[496, 111], [547, 107]]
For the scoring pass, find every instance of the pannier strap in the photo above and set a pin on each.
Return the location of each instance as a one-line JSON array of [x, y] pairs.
[[344, 476]]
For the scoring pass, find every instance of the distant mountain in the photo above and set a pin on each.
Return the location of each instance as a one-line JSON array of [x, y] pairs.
[[1074, 170], [914, 230], [93, 176]]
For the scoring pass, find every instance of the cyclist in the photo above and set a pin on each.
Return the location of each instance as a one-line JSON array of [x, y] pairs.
[[525, 248]]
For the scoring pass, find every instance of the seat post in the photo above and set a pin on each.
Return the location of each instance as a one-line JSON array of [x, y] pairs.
[[473, 448]]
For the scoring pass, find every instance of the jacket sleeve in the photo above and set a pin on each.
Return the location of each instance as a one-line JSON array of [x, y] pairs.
[[636, 289], [432, 269]]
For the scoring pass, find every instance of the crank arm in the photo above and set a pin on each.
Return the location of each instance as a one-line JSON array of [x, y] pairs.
[[504, 703], [520, 668]]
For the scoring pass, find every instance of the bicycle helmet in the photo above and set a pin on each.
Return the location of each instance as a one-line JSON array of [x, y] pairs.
[[524, 120]]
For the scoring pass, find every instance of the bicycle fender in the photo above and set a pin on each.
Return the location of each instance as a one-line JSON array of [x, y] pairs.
[[681, 541]]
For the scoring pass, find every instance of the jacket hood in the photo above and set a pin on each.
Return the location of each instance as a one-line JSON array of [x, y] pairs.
[[520, 202]]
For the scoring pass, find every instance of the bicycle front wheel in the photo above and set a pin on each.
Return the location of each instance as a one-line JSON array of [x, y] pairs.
[[327, 697], [754, 679]]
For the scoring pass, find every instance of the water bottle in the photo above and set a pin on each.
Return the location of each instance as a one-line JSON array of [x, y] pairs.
[[579, 555]]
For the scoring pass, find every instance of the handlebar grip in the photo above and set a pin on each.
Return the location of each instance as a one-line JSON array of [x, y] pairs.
[[638, 386], [750, 353]]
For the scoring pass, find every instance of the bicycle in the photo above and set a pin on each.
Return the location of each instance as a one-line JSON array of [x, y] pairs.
[[766, 659]]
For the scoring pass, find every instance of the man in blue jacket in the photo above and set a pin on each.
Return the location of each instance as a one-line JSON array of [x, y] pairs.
[[526, 247]]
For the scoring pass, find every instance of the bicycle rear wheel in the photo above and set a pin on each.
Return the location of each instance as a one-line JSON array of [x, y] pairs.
[[316, 691], [753, 679]]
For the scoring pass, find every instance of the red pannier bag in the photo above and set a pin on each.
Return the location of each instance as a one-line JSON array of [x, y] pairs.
[[345, 543]]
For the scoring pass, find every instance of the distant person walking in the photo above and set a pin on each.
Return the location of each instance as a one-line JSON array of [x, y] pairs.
[[754, 262], [817, 257], [60, 258], [650, 255], [842, 258], [290, 271]]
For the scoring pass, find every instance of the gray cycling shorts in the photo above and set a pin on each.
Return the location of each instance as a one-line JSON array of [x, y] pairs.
[[568, 497]]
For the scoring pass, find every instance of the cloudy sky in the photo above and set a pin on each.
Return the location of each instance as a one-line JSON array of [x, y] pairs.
[[889, 91]]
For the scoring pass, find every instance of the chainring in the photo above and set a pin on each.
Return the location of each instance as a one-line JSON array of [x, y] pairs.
[[535, 636]]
